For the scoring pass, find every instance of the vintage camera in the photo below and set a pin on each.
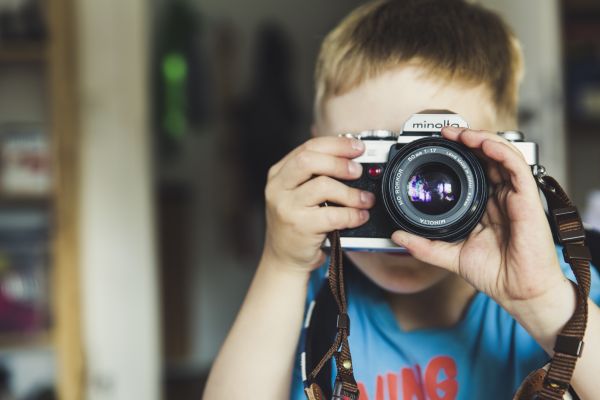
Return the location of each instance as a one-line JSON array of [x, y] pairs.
[[423, 183]]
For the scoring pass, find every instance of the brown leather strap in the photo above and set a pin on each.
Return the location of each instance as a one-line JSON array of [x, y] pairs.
[[569, 342], [314, 392], [345, 385]]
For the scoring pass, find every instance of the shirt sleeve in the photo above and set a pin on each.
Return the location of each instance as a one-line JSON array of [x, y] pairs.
[[316, 281]]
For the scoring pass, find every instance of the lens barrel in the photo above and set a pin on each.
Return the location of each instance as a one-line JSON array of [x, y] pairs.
[[435, 188]]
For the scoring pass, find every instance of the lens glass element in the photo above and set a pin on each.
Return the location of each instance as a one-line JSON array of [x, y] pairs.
[[433, 188]]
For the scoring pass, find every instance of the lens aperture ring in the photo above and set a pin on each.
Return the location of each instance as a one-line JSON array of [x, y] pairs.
[[435, 188]]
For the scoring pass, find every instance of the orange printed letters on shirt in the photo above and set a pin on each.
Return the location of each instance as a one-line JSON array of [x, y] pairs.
[[439, 383]]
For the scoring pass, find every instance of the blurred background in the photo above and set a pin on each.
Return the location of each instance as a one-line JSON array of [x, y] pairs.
[[135, 137]]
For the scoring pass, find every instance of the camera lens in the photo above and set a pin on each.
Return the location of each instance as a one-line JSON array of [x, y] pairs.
[[435, 188]]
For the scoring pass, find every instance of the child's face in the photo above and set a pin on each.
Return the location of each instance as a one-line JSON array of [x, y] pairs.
[[385, 103]]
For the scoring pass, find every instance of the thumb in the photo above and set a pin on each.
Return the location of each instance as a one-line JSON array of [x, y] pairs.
[[434, 252]]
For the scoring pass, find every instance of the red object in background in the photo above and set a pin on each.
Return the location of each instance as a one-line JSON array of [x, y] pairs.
[[24, 302], [24, 286], [18, 316]]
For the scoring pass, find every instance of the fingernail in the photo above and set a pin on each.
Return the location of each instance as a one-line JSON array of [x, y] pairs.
[[354, 168], [364, 215], [357, 144], [366, 197], [452, 129]]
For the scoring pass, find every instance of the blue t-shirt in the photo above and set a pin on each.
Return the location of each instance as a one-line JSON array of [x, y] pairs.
[[484, 356]]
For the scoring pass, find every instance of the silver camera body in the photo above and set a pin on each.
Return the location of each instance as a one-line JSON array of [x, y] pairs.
[[423, 183]]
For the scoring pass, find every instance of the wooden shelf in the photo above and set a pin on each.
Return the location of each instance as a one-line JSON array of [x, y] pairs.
[[19, 201], [581, 4], [20, 341], [578, 128], [22, 52], [581, 10], [56, 57]]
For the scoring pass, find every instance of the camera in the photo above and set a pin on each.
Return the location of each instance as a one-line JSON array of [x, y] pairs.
[[423, 183]]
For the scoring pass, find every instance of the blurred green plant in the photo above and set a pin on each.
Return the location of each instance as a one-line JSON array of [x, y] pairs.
[[175, 76]]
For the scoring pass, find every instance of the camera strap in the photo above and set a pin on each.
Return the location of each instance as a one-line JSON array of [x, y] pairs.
[[552, 382], [549, 383], [345, 387]]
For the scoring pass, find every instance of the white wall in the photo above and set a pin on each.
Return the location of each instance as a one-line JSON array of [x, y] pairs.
[[119, 288]]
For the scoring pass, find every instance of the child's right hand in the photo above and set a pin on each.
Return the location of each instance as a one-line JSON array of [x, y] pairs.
[[297, 186]]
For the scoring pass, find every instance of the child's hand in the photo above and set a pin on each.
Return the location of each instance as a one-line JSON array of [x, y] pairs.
[[510, 255], [296, 223]]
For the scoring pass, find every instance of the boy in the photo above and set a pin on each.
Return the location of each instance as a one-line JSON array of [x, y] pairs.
[[465, 320]]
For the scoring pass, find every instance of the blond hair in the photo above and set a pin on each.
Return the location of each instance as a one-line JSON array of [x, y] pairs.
[[450, 39]]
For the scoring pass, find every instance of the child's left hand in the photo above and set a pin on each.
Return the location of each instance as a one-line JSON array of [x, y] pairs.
[[510, 255]]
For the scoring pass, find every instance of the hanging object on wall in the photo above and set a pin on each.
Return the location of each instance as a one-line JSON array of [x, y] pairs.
[[181, 90], [175, 77]]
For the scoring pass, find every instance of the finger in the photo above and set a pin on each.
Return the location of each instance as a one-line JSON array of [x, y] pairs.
[[474, 138], [493, 212], [434, 252], [518, 171], [330, 218], [306, 164], [324, 188], [494, 172], [333, 145]]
